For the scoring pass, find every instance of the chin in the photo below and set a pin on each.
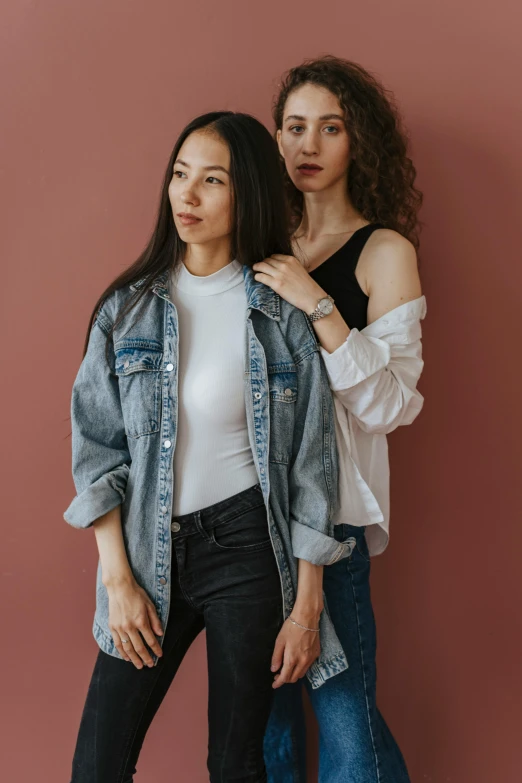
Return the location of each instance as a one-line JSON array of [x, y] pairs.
[[308, 185], [188, 234]]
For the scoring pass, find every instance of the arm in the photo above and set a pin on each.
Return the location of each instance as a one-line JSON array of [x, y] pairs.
[[296, 649], [313, 473], [132, 615], [313, 499], [100, 454], [374, 373], [374, 377], [101, 463]]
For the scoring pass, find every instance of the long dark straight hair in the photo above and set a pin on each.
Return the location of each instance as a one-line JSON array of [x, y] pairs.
[[260, 220]]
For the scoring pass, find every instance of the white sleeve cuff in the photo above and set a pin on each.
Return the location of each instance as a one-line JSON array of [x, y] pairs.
[[355, 360]]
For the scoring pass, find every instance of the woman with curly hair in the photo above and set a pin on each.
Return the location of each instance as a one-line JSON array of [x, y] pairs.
[[354, 272]]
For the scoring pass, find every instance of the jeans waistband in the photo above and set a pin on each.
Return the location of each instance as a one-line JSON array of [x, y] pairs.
[[214, 515]]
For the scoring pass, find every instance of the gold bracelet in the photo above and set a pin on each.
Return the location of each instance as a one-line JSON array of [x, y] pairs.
[[315, 630]]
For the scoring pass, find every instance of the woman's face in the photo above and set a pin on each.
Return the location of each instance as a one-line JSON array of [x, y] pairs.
[[313, 139], [200, 191]]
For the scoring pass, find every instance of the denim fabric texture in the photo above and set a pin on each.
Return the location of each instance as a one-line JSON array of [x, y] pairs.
[[225, 579], [124, 417], [355, 743]]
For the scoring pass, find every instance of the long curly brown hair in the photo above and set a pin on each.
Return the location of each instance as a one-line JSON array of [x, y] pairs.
[[381, 175]]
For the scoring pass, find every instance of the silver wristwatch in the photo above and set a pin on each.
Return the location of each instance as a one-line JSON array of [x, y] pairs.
[[324, 307]]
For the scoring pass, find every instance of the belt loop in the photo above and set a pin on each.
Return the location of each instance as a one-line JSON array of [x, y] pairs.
[[201, 530]]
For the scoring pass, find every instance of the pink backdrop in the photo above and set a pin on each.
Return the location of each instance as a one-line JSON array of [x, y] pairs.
[[93, 95]]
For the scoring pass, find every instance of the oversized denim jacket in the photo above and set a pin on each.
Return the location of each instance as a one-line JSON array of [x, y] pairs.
[[124, 418]]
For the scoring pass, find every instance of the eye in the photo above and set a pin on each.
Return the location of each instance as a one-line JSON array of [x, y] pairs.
[[331, 129], [296, 129], [214, 181], [179, 174]]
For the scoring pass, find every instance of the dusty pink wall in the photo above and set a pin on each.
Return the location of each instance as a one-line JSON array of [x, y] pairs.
[[93, 95]]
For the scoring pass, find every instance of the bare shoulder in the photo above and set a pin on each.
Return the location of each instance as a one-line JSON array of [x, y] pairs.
[[386, 247], [388, 271]]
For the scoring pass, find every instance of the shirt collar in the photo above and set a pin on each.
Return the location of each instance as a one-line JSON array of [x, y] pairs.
[[259, 296]]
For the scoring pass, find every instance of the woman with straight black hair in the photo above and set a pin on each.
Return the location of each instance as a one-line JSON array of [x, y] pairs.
[[204, 457]]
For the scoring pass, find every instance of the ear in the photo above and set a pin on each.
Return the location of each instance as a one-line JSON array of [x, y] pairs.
[[278, 139]]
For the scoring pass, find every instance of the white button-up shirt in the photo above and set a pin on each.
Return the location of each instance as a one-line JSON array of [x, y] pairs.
[[374, 376]]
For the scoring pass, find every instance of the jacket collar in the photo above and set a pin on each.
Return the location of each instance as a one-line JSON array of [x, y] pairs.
[[158, 286], [259, 296]]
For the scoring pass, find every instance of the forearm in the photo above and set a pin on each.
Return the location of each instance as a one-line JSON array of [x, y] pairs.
[[331, 331], [111, 547], [309, 601]]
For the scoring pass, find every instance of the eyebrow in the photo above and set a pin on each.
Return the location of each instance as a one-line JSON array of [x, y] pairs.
[[324, 117], [206, 168]]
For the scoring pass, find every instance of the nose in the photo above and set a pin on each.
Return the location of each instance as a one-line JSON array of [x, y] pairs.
[[310, 143], [189, 196]]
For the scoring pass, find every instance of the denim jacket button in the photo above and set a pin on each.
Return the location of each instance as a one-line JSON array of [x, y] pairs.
[[167, 444], [163, 581], [126, 364], [288, 392], [164, 509], [258, 395], [169, 367]]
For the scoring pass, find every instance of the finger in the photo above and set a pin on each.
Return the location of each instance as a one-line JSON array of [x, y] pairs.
[[266, 279], [268, 267], [128, 648], [300, 670], [285, 674], [139, 647], [119, 646], [277, 656], [283, 678], [155, 622], [147, 633]]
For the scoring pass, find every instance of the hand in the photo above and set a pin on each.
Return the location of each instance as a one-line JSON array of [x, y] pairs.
[[133, 617], [294, 652], [287, 277]]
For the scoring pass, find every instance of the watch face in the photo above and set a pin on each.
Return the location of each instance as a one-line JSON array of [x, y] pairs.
[[325, 306]]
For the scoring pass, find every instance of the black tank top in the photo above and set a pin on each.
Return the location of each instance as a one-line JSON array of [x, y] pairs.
[[336, 276]]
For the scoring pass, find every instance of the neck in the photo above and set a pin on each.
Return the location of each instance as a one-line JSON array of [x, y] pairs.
[[210, 257], [328, 212]]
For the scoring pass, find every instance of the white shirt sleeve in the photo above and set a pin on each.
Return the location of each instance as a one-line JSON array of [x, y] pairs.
[[374, 373]]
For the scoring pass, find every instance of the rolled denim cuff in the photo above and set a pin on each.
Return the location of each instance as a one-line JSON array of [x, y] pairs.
[[105, 494], [316, 547]]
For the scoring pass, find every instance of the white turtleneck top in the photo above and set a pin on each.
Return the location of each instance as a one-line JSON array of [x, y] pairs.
[[213, 459]]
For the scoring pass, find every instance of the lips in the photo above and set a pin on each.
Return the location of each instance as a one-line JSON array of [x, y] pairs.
[[188, 219], [309, 169]]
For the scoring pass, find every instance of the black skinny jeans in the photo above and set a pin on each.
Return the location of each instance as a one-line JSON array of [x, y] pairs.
[[227, 582]]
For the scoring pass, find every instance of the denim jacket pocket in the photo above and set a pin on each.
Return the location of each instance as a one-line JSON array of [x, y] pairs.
[[282, 385], [138, 367]]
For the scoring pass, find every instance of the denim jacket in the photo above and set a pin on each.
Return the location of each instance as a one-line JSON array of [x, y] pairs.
[[124, 418]]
